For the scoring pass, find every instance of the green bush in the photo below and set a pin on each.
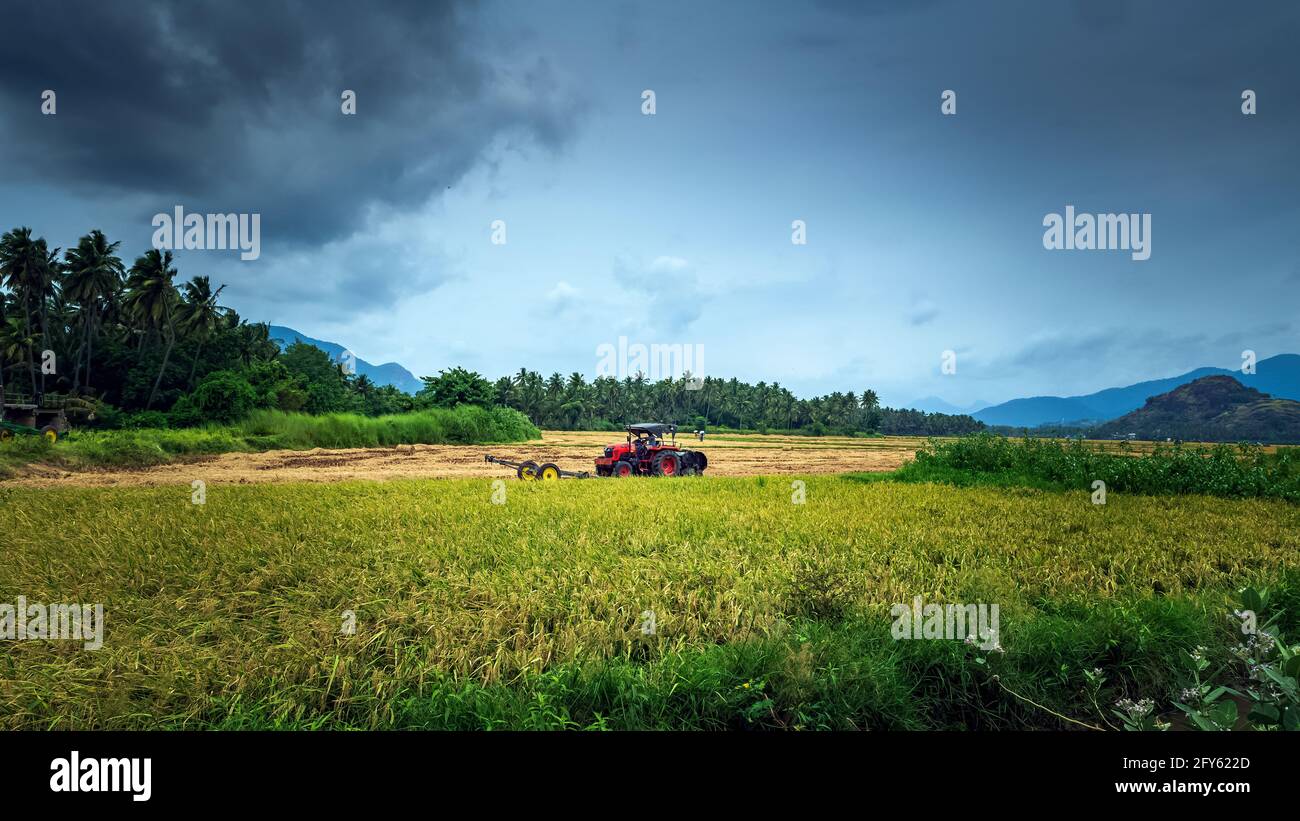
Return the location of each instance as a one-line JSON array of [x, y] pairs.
[[454, 387], [223, 396], [1235, 471]]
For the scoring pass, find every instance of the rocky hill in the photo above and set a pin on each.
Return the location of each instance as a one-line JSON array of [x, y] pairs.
[[1210, 409]]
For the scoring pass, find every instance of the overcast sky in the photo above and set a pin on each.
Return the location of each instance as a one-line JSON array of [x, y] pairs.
[[924, 231]]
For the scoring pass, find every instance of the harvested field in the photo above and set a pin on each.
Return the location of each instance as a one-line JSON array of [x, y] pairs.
[[729, 455]]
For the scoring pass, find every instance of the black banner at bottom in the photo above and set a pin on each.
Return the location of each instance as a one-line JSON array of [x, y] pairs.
[[144, 771]]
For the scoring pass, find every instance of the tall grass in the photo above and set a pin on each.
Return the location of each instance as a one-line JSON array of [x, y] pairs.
[[465, 425], [269, 430], [1234, 471]]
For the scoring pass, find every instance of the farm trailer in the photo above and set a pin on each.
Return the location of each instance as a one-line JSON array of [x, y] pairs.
[[33, 416]]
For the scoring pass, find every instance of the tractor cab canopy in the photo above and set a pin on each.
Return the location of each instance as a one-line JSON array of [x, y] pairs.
[[653, 429]]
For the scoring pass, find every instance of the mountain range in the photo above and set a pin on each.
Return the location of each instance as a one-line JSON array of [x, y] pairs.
[[389, 373], [1278, 376]]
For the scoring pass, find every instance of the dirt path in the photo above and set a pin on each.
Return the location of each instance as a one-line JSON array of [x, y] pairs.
[[738, 455]]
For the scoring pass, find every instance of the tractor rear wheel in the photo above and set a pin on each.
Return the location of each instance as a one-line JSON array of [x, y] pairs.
[[548, 473], [527, 470], [666, 464], [697, 461]]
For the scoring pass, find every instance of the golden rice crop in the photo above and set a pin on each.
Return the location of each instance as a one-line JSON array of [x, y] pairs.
[[243, 598]]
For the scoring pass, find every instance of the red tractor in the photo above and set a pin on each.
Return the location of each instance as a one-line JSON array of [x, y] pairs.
[[647, 454]]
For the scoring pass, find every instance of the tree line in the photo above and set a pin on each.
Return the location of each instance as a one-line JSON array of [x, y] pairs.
[[573, 403], [148, 349]]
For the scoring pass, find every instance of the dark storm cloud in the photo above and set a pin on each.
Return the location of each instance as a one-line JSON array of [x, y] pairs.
[[365, 273], [224, 106]]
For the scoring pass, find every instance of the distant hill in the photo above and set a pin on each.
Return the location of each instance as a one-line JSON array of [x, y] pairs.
[[1277, 375], [1039, 410], [1211, 409], [389, 373], [933, 404]]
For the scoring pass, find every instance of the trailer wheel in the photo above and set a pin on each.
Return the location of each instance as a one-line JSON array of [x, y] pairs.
[[50, 433], [6, 434], [527, 471], [548, 473]]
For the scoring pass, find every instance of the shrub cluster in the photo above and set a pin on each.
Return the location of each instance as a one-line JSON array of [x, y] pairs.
[[1235, 471]]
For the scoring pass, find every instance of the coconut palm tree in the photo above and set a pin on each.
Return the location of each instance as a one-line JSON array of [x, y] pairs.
[[255, 343], [15, 338], [200, 316], [531, 393], [151, 299], [49, 275], [24, 264], [94, 275]]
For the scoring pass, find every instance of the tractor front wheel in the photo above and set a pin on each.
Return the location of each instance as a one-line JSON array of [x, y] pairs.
[[622, 469]]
